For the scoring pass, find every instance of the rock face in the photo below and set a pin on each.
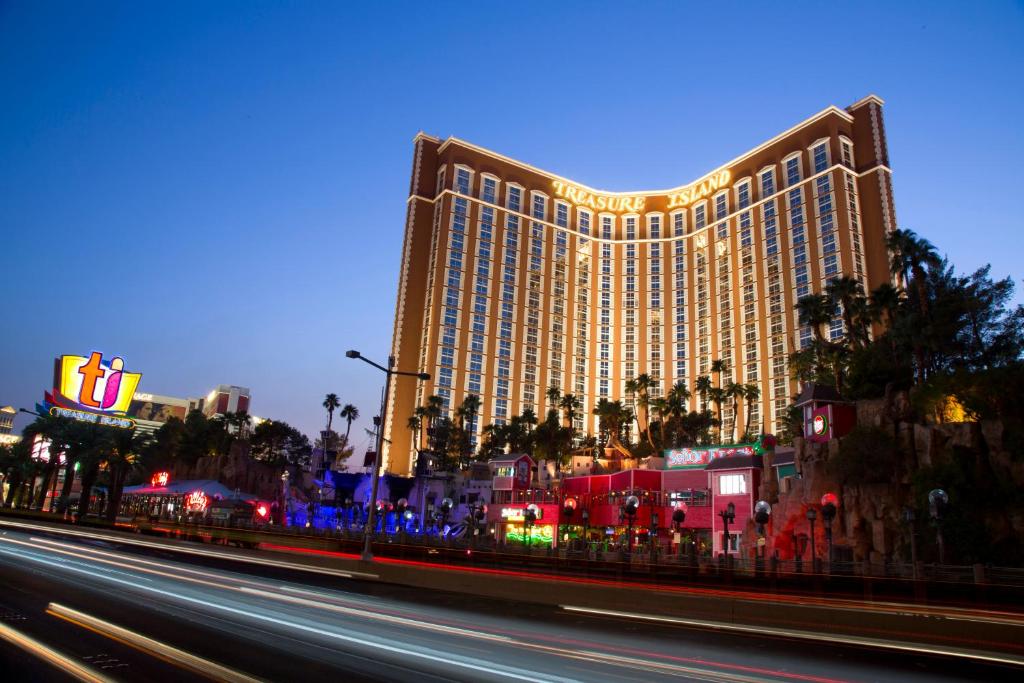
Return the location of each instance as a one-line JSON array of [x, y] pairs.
[[237, 471], [869, 525]]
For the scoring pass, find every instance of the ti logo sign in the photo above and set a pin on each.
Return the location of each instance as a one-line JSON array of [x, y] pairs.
[[96, 384]]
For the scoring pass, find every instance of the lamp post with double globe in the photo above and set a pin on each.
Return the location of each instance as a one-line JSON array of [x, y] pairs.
[[389, 371]]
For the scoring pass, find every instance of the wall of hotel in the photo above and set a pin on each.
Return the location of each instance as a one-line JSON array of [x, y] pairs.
[[740, 257]]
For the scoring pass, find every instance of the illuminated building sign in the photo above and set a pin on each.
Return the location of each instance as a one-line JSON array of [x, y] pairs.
[[636, 203], [90, 389], [820, 424], [516, 514], [196, 502], [599, 202], [705, 187], [160, 478], [701, 456]]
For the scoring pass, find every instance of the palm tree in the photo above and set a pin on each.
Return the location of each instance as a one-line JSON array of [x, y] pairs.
[[703, 387], [413, 424], [678, 397], [847, 291], [661, 410], [331, 403], [885, 300], [612, 415], [910, 255], [642, 387], [571, 405], [554, 395], [816, 310], [735, 391], [55, 430], [127, 445], [717, 397], [751, 392], [350, 413], [528, 419]]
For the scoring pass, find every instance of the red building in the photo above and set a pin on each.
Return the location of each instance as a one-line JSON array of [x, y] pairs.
[[713, 479]]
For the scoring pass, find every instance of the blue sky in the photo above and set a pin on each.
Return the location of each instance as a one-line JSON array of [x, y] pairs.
[[216, 191]]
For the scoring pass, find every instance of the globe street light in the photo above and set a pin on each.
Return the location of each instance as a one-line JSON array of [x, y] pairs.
[[762, 511], [375, 480], [678, 517]]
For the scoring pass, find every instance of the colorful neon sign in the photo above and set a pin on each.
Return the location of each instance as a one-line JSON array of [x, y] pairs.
[[262, 511], [160, 478], [517, 514], [196, 502], [91, 389]]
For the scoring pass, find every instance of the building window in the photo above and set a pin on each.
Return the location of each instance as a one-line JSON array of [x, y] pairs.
[[606, 227], [732, 484], [792, 170], [462, 179], [767, 183], [515, 199], [721, 205], [490, 190], [820, 154], [700, 218], [743, 196]]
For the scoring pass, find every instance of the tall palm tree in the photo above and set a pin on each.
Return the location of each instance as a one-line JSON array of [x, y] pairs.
[[846, 292], [571, 405], [528, 420], [717, 396], [679, 397], [660, 406], [331, 403], [751, 392], [413, 424], [885, 300], [612, 416], [642, 386], [554, 395], [126, 448], [815, 311], [910, 255], [350, 413], [703, 386], [734, 390]]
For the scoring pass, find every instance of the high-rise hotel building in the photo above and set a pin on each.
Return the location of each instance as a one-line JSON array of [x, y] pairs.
[[514, 279]]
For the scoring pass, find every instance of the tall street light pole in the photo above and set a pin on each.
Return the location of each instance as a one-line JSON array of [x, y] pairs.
[[371, 519]]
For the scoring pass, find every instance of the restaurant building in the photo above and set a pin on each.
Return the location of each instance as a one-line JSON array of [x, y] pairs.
[[514, 279]]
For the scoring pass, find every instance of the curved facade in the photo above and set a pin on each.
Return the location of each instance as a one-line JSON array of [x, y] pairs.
[[513, 279]]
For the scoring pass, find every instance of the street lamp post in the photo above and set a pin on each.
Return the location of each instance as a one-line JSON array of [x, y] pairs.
[[728, 515], [678, 517], [375, 480], [630, 507], [829, 505], [908, 518], [938, 500], [812, 515]]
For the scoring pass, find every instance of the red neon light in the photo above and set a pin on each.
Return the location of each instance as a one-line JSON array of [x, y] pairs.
[[262, 510], [196, 502], [160, 478]]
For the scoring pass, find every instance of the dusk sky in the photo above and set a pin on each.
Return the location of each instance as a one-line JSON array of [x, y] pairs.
[[216, 191]]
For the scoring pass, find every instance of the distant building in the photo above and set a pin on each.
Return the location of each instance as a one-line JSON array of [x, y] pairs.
[[7, 414], [151, 411], [225, 398]]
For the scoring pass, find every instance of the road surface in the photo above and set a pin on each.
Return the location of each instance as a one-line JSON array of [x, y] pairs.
[[197, 618]]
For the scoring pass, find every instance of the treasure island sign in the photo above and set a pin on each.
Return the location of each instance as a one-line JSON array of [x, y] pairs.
[[618, 203]]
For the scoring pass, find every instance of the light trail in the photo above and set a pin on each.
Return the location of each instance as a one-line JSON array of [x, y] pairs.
[[149, 646], [52, 657], [620, 657], [494, 669], [832, 638]]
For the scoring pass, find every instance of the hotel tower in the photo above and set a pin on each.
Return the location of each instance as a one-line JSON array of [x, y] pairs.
[[514, 279]]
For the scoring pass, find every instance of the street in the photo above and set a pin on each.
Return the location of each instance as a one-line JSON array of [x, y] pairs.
[[276, 624]]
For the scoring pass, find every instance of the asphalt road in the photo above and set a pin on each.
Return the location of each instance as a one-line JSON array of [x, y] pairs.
[[283, 625]]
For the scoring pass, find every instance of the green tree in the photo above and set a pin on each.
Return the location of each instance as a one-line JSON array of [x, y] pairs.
[[280, 445]]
